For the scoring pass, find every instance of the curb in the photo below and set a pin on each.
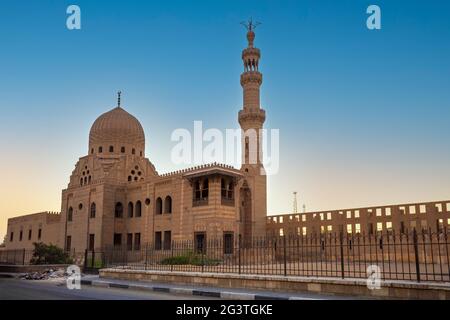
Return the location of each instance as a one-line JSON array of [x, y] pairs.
[[228, 295]]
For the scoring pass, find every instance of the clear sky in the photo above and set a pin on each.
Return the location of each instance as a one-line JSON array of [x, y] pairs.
[[363, 115]]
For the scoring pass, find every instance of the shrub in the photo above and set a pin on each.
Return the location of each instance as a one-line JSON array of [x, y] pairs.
[[190, 258], [49, 254]]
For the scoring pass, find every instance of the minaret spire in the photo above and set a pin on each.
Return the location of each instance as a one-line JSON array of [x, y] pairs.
[[119, 93]]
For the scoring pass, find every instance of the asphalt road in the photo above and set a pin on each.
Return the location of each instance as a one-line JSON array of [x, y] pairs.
[[17, 289]]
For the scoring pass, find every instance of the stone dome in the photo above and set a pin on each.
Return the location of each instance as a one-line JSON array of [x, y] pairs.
[[117, 131]]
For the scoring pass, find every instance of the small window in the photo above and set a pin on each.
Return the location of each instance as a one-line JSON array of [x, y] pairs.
[[147, 202], [158, 240], [228, 242], [92, 150], [158, 207], [80, 206], [129, 241], [349, 228], [141, 153], [423, 208], [100, 149], [303, 217], [20, 235], [304, 231], [70, 215], [11, 236], [137, 241], [378, 212], [111, 149], [168, 205], [138, 210], [387, 211], [349, 214], [29, 234], [122, 149], [133, 151], [167, 240], [281, 232], [118, 213], [280, 219], [448, 206], [379, 226], [130, 209], [356, 213], [439, 207], [357, 228], [117, 239], [329, 228], [39, 234], [93, 210], [389, 225], [412, 209]]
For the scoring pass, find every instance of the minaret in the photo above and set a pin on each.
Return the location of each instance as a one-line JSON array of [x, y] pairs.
[[251, 116], [253, 193]]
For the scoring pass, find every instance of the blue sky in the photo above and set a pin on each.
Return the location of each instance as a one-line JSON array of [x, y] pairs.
[[363, 115]]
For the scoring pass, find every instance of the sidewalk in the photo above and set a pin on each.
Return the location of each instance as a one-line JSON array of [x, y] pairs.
[[230, 294]]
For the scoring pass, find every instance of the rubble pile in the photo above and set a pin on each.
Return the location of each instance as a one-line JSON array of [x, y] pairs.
[[45, 275]]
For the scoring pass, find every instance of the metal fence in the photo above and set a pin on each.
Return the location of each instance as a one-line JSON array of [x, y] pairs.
[[415, 256], [25, 257]]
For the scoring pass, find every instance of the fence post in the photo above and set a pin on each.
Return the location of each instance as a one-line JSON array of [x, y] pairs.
[[146, 256], [23, 257], [171, 256], [284, 256], [203, 255], [416, 254], [85, 258], [341, 242], [239, 252]]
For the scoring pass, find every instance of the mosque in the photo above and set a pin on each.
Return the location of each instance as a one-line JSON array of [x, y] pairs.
[[115, 196]]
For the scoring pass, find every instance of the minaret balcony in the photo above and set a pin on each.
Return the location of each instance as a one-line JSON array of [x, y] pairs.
[[251, 76], [258, 115]]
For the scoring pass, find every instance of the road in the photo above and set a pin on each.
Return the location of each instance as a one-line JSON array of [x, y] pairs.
[[17, 289]]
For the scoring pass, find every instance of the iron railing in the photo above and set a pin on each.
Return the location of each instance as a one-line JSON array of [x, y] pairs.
[[413, 256]]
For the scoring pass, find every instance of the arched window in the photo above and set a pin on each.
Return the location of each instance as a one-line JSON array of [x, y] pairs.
[[92, 150], [93, 210], [100, 149], [138, 209], [205, 189], [130, 210], [85, 180], [133, 151], [158, 206], [70, 214], [118, 212], [90, 179], [81, 181], [111, 149], [168, 205], [122, 149]]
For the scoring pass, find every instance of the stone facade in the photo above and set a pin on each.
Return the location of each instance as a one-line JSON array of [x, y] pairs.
[[434, 216], [115, 196]]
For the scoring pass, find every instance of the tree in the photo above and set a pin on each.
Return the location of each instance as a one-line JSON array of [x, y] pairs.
[[3, 244], [49, 254]]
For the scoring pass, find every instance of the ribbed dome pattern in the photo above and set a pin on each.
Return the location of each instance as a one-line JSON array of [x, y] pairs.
[[116, 126]]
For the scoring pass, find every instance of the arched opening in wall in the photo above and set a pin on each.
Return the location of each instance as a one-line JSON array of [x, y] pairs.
[[141, 153], [92, 150], [168, 205], [100, 149], [197, 191], [122, 149], [133, 151], [138, 209], [130, 210], [158, 206], [70, 214], [111, 149], [93, 210], [89, 179], [81, 181], [205, 189], [118, 212]]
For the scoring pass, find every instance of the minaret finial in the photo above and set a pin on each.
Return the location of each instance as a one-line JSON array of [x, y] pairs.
[[250, 25], [118, 98]]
